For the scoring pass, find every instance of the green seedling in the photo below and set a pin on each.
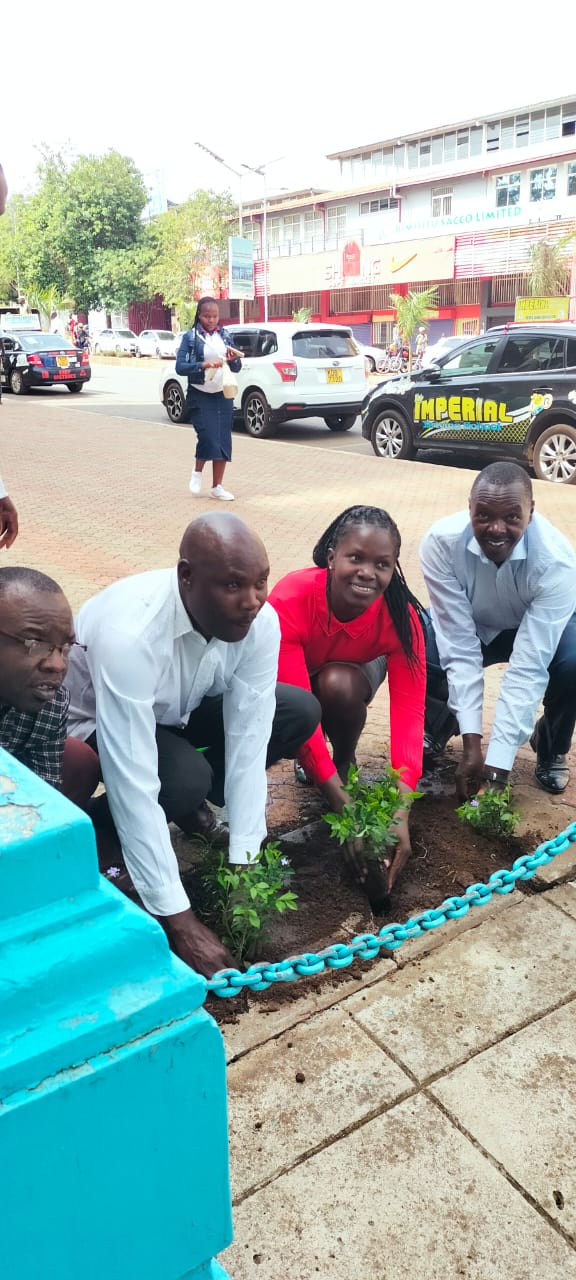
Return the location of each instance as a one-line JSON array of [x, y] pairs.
[[246, 898], [490, 812]]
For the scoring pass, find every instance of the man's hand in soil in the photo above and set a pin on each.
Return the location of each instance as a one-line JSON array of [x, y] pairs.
[[8, 523], [471, 768], [196, 945]]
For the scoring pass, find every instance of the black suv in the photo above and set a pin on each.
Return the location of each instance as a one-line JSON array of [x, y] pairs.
[[511, 392]]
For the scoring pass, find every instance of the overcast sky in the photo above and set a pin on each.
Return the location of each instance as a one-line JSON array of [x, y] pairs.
[[256, 82]]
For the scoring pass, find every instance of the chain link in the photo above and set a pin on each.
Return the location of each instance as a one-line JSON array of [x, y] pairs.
[[367, 946]]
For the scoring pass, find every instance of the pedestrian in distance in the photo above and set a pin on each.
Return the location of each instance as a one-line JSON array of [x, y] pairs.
[[36, 639], [344, 625], [203, 352], [177, 691], [502, 586]]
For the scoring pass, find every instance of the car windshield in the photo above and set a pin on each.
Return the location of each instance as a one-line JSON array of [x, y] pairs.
[[166, 336], [44, 342], [125, 333], [323, 344]]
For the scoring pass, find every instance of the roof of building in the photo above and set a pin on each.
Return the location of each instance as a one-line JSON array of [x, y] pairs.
[[427, 129]]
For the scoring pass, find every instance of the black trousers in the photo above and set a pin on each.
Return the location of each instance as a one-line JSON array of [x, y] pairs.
[[559, 699], [189, 776]]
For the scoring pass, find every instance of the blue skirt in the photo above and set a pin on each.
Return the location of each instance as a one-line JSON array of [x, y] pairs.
[[211, 416]]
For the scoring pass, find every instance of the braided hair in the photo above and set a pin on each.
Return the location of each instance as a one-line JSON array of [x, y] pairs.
[[201, 303], [397, 594]]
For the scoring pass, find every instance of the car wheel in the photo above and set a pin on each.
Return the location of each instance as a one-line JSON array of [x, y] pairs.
[[158, 353], [391, 437], [118, 349], [174, 401], [257, 415], [75, 388], [555, 455], [96, 348], [17, 384], [340, 421], [138, 353]]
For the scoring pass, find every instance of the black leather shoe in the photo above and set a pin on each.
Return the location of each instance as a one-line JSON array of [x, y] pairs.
[[205, 823], [551, 772], [433, 749]]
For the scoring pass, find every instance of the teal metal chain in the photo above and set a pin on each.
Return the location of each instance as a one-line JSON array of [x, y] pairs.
[[367, 946]]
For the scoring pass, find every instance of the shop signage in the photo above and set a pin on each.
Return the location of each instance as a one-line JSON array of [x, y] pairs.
[[357, 265], [541, 309], [240, 268]]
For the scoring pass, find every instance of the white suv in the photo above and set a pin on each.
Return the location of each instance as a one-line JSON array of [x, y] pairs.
[[288, 371]]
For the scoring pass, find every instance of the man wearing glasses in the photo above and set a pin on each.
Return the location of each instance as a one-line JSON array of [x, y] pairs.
[[36, 638]]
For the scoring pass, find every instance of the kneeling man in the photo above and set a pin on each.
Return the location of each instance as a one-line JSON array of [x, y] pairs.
[[177, 691], [36, 639], [502, 586]]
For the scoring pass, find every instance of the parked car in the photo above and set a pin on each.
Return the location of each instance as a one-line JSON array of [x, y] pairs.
[[376, 356], [288, 371], [122, 342], [42, 360], [442, 347], [158, 342], [511, 392]]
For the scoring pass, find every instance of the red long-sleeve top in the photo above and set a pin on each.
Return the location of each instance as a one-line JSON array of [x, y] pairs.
[[310, 640]]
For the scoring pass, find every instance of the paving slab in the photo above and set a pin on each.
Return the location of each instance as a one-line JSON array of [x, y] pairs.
[[563, 867], [298, 1092], [564, 897], [517, 1101], [270, 1013], [467, 995], [405, 1195]]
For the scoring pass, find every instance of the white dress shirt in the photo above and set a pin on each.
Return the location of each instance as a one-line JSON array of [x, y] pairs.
[[3, 493], [473, 600], [145, 664]]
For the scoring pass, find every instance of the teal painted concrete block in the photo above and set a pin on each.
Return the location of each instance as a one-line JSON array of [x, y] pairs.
[[113, 1126]]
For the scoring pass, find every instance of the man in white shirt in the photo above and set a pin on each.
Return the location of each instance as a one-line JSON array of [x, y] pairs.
[[502, 586], [177, 692]]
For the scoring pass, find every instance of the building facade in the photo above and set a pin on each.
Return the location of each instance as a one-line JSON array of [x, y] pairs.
[[458, 207]]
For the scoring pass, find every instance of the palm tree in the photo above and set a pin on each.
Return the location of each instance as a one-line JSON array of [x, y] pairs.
[[413, 310], [548, 275]]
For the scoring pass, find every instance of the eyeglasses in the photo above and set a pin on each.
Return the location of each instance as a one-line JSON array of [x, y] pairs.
[[42, 649]]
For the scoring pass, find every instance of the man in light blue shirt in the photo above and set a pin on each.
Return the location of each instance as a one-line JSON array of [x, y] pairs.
[[502, 586]]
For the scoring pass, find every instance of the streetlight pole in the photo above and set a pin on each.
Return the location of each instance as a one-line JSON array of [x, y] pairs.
[[261, 169], [239, 175]]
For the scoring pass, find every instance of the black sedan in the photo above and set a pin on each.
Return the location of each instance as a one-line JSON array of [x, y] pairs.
[[41, 360]]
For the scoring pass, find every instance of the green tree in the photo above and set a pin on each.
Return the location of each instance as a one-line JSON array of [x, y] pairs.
[[549, 271], [413, 310], [80, 233], [187, 239]]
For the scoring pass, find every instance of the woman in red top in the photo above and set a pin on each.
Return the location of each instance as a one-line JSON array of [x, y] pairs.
[[344, 625]]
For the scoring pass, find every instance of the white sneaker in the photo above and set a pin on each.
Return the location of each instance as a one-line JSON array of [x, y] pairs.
[[221, 493], [195, 482]]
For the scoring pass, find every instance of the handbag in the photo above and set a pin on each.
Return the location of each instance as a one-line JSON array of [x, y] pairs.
[[229, 383]]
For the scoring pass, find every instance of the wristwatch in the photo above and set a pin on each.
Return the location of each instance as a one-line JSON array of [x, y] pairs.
[[492, 775]]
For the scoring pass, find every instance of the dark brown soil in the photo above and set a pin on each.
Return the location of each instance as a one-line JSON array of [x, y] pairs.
[[447, 856]]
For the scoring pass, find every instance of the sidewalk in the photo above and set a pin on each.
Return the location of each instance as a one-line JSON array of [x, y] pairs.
[[419, 1119]]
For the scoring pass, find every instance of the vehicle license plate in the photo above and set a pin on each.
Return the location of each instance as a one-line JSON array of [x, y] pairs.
[[62, 362], [334, 375]]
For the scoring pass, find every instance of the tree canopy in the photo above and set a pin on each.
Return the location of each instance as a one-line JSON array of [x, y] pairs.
[[80, 238]]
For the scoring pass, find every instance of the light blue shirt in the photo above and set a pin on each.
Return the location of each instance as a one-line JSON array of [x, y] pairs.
[[473, 600]]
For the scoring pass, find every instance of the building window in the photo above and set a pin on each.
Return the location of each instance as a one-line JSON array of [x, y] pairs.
[[553, 122], [336, 221], [462, 144], [507, 189], [476, 140], [537, 126], [493, 135], [522, 131], [507, 134], [441, 202], [413, 155], [569, 119], [424, 152], [449, 147], [273, 232], [291, 228], [378, 206], [572, 178], [543, 183], [399, 155], [251, 231]]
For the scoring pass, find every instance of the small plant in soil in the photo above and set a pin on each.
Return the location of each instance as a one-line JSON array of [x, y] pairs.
[[371, 815], [245, 898], [491, 812]]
